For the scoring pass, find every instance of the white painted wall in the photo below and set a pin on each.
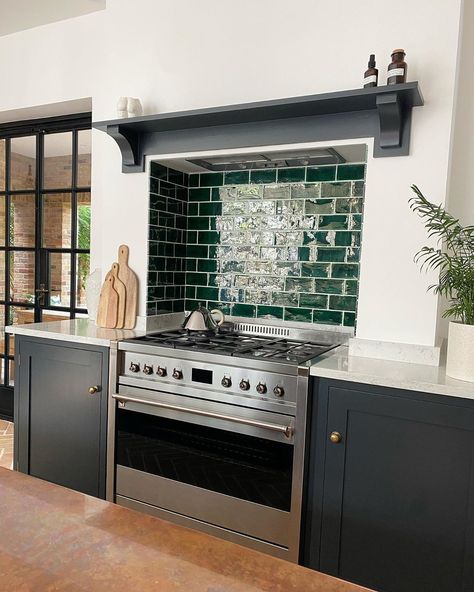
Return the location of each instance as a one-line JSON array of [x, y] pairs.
[[180, 54], [461, 180]]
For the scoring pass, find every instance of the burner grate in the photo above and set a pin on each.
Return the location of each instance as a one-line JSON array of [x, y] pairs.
[[240, 345]]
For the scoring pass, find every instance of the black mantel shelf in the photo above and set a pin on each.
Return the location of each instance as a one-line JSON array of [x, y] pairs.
[[328, 116]]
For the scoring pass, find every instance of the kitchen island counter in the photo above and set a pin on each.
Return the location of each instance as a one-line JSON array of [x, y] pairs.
[[339, 365], [57, 539]]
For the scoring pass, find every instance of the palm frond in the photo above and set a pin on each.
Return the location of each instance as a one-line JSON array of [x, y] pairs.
[[453, 256]]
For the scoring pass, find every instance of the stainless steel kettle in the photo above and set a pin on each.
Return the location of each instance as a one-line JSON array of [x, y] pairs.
[[202, 320]]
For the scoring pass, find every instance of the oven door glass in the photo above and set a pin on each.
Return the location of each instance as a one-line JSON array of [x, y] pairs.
[[246, 467]]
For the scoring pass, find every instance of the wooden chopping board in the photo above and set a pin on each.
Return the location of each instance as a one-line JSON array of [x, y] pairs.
[[119, 287], [107, 313], [128, 277]]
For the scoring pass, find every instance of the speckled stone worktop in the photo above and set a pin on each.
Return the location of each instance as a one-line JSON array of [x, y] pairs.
[[424, 378], [55, 539], [76, 330]]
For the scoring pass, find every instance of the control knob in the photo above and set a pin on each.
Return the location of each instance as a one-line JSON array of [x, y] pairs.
[[178, 374], [147, 369], [261, 388], [226, 382], [161, 371], [134, 367], [244, 385], [278, 391]]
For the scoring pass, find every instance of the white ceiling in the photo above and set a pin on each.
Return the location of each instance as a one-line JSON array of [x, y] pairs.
[[18, 15]]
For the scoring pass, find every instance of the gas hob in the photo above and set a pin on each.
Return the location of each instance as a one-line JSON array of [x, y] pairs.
[[240, 345]]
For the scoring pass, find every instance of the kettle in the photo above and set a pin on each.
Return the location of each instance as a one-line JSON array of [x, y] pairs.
[[202, 320]]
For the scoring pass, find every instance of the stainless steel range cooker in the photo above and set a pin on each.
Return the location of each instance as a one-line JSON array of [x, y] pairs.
[[210, 431]]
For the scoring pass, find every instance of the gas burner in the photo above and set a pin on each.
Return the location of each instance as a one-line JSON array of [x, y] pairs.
[[240, 345]]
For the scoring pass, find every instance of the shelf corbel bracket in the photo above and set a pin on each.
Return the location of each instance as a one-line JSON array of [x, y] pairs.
[[390, 119], [129, 145]]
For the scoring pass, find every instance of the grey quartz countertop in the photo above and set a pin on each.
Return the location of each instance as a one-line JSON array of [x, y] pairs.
[[78, 330], [338, 365]]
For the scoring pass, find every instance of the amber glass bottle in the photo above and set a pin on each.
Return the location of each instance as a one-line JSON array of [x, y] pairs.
[[397, 69], [371, 76]]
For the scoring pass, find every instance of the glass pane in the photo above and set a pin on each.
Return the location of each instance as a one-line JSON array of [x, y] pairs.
[[2, 275], [200, 455], [23, 163], [2, 329], [22, 276], [11, 379], [84, 220], [18, 315], [57, 216], [2, 220], [47, 316], [22, 220], [59, 279], [83, 267], [2, 165], [84, 143], [57, 160]]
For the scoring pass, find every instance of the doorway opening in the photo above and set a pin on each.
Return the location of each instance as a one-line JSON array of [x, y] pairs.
[[45, 179]]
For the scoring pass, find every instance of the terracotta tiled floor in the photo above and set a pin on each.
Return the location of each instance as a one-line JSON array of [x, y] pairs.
[[6, 444]]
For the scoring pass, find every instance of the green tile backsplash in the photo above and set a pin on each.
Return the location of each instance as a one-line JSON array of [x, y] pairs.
[[282, 244]]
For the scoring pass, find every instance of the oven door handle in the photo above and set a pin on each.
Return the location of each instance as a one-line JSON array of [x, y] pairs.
[[274, 427]]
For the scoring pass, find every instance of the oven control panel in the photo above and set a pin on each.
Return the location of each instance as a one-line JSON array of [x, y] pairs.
[[153, 371]]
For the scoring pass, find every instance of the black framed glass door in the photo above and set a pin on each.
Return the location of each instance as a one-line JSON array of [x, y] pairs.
[[45, 179]]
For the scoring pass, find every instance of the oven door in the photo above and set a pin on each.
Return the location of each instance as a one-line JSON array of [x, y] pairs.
[[224, 465]]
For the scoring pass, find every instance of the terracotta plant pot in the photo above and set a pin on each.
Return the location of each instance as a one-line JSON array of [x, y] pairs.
[[460, 360]]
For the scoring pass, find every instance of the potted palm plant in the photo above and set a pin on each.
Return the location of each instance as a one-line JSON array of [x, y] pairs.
[[453, 258]]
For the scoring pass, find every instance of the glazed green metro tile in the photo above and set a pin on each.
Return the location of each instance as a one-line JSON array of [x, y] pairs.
[[263, 176], [298, 314], [321, 173], [320, 270], [350, 172], [291, 175], [244, 310], [341, 270], [211, 179], [236, 177], [200, 194], [343, 303], [278, 244], [270, 312], [327, 317], [314, 300]]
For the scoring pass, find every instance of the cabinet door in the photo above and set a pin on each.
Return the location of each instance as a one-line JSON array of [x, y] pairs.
[[398, 503], [61, 426]]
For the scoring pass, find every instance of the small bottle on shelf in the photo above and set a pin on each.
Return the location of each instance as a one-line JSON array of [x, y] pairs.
[[397, 69], [371, 76]]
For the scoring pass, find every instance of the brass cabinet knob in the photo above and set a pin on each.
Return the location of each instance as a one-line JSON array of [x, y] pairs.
[[94, 389], [335, 437]]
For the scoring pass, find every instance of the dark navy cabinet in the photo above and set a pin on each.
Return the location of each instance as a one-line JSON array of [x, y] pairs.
[[61, 413], [390, 501]]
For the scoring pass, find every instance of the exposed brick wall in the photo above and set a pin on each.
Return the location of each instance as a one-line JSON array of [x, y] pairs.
[[56, 227]]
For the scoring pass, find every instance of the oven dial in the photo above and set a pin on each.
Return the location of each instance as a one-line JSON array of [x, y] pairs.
[[161, 371], [134, 367], [261, 388], [147, 370], [178, 374], [226, 382], [278, 391], [244, 385]]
